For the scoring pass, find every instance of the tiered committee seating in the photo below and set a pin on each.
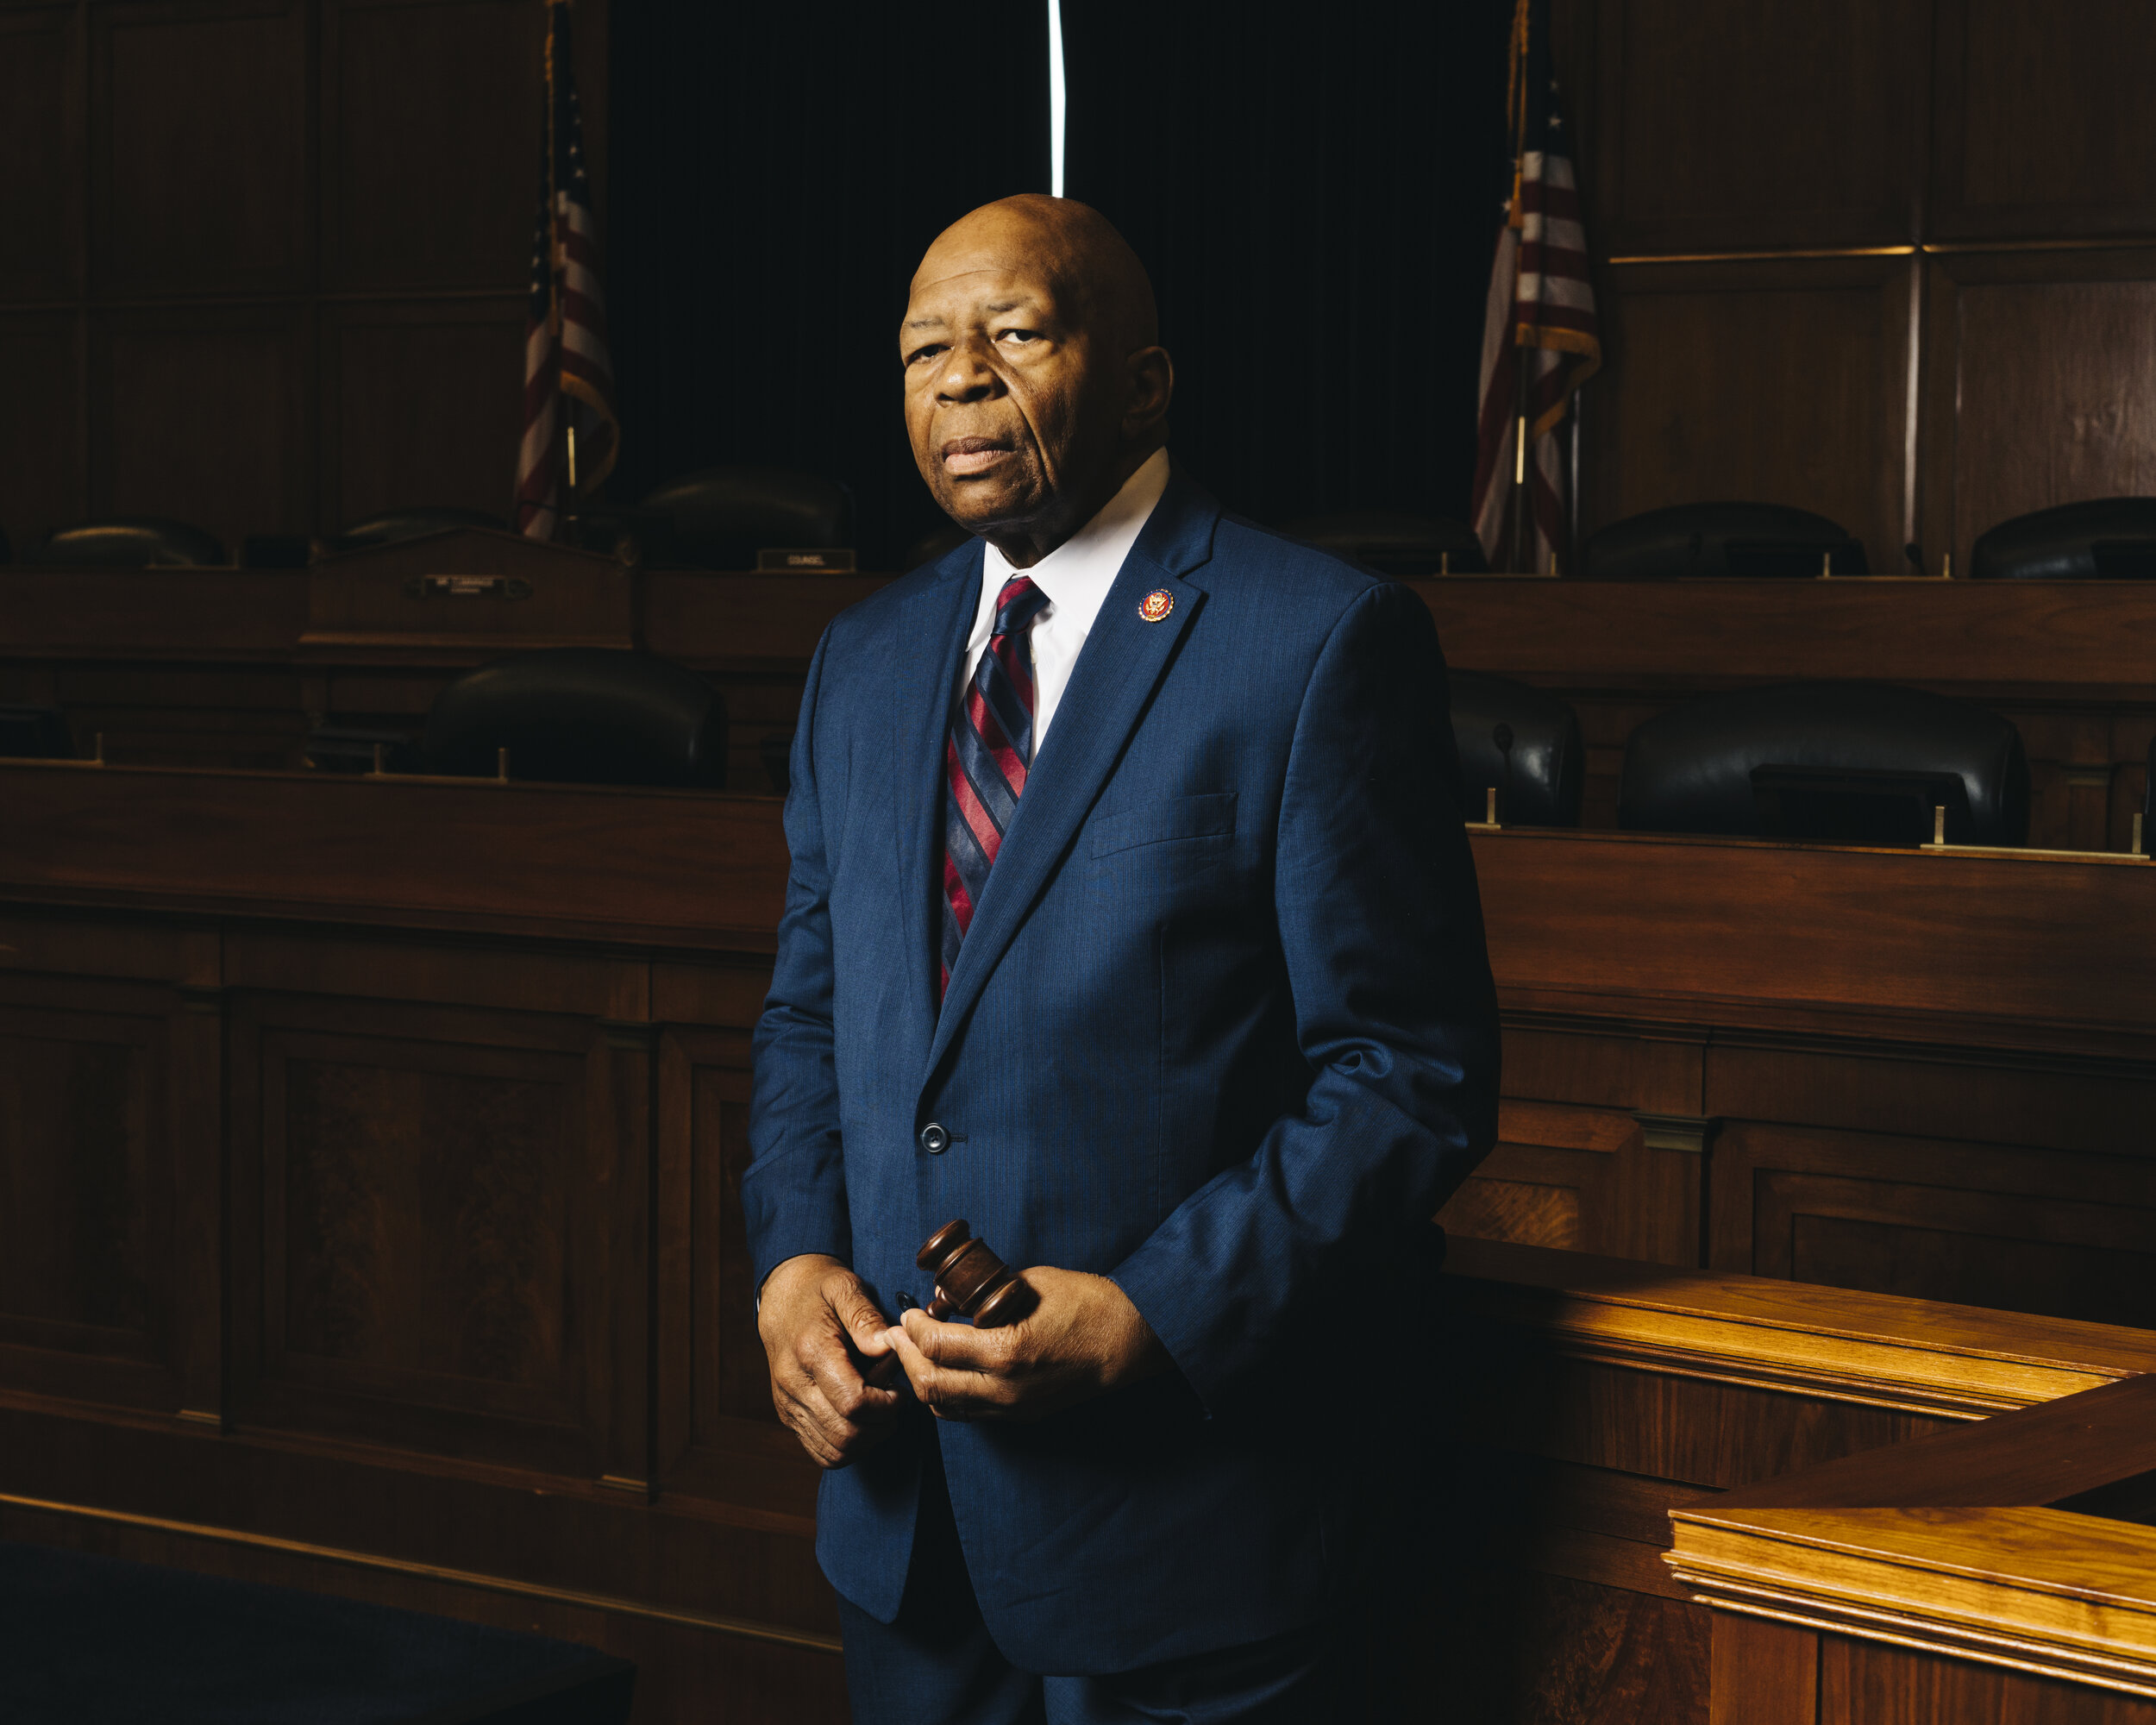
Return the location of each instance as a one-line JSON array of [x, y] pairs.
[[396, 1234], [426, 1099]]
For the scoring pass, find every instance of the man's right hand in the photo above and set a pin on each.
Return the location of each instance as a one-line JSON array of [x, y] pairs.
[[814, 1319]]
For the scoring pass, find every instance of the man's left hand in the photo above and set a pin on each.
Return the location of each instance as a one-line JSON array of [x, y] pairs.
[[1082, 1337]]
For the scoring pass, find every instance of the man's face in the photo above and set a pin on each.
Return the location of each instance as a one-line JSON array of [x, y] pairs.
[[1010, 403]]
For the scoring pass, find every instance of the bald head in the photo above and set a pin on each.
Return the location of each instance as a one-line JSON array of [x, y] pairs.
[[1035, 382], [1071, 245]]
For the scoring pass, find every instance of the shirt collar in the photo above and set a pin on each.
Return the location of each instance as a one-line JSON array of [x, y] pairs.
[[1077, 574]]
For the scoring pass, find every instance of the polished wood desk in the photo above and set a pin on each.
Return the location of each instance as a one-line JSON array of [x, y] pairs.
[[1702, 1500], [373, 1225], [370, 1164], [1912, 1072], [231, 668], [213, 668]]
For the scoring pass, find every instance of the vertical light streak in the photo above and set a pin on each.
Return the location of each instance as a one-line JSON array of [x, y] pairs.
[[1056, 97]]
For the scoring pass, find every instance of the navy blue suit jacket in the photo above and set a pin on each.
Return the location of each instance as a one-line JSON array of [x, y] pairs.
[[1223, 1029]]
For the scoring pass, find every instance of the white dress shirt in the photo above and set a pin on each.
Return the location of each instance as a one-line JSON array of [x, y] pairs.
[[1076, 576]]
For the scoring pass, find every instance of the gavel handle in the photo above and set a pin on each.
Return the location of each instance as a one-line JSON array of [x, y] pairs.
[[887, 1373]]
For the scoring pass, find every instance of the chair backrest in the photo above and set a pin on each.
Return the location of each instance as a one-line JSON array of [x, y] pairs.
[[36, 733], [2110, 538], [1745, 541], [1524, 742], [721, 517], [1393, 543], [393, 526], [1855, 762], [127, 541], [580, 715]]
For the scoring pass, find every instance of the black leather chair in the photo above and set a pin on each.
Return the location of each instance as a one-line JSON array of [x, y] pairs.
[[2148, 800], [1747, 541], [721, 517], [1521, 740], [125, 542], [393, 526], [2112, 538], [1393, 543], [580, 715], [1855, 763], [34, 733]]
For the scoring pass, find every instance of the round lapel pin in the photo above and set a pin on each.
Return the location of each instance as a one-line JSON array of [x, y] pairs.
[[1156, 605]]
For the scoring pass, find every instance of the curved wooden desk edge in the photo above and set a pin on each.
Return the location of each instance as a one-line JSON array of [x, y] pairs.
[[1925, 1356], [2044, 1591], [1956, 1545]]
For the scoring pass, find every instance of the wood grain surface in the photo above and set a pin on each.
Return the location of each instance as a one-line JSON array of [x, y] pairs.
[[272, 258], [694, 866], [1964, 1362], [207, 668], [2034, 952], [1595, 1444], [2050, 633], [1964, 1545]]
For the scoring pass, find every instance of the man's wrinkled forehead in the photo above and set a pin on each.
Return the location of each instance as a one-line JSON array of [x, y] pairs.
[[977, 275]]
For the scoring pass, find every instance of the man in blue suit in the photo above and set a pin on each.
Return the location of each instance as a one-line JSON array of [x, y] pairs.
[[1131, 918]]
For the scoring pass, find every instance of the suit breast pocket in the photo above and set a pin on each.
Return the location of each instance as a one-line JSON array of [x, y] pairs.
[[1210, 815]]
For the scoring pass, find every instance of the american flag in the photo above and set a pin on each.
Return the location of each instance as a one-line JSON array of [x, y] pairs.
[[572, 432], [1540, 314]]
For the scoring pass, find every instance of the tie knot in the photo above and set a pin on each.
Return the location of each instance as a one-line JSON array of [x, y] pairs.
[[1017, 604]]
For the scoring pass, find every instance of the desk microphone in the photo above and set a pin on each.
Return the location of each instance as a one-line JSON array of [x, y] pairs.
[[1502, 738]]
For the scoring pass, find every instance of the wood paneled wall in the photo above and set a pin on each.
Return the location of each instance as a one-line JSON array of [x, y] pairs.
[[1891, 262], [265, 259], [1966, 1123]]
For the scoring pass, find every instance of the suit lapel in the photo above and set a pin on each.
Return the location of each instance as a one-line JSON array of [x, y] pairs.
[[1117, 671], [932, 636]]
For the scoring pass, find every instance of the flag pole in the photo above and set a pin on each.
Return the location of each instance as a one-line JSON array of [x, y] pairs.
[[1518, 95], [556, 263], [554, 238]]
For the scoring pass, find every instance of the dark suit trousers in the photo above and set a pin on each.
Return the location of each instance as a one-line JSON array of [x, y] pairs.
[[936, 1663]]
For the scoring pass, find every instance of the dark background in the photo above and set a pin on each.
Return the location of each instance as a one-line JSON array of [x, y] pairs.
[[1316, 199], [267, 260]]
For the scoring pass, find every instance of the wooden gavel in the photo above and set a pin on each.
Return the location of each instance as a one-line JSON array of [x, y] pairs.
[[968, 1281]]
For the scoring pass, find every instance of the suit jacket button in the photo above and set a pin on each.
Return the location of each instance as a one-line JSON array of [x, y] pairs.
[[934, 1139]]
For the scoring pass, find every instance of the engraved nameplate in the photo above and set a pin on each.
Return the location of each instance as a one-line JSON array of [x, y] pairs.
[[829, 561], [467, 586]]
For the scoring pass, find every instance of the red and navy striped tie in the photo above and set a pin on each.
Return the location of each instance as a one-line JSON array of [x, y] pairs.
[[985, 759]]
